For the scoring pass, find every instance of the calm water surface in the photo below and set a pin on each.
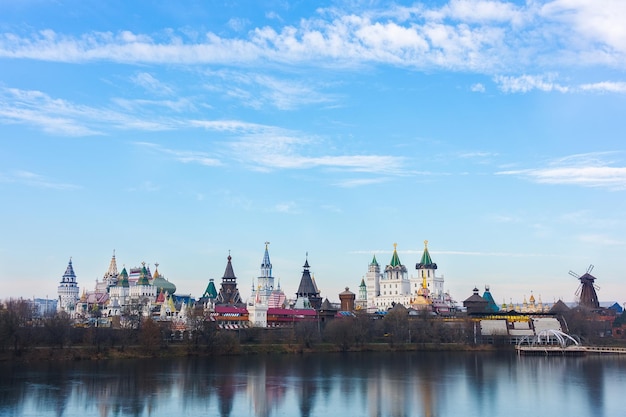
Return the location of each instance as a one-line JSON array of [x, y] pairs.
[[368, 384]]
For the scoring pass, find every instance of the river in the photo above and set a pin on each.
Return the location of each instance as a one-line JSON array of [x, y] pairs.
[[437, 384]]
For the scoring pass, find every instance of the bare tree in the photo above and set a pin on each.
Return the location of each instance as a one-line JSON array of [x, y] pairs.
[[58, 329], [13, 318], [396, 324]]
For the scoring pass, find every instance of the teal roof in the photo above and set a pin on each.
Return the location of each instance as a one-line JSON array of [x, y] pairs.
[[395, 259], [123, 279], [162, 284], [426, 258], [426, 262], [211, 291], [492, 307], [143, 276], [374, 261], [362, 283]]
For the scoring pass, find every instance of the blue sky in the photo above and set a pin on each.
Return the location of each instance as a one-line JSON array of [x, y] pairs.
[[173, 132]]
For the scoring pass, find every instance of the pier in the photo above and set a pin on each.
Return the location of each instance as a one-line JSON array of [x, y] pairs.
[[574, 350]]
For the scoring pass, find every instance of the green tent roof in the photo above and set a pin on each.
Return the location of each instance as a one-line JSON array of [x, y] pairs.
[[143, 276], [211, 291], [395, 259]]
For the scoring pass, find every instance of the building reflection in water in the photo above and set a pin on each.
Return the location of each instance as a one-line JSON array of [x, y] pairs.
[[368, 384]]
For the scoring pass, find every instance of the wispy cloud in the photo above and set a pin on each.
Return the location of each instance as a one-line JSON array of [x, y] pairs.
[[258, 90], [477, 88], [502, 218], [599, 239], [146, 186], [605, 87], [360, 182], [270, 147], [35, 108], [151, 84], [286, 207], [463, 35], [588, 170], [526, 83], [548, 83], [61, 117], [179, 105], [184, 156], [481, 156], [35, 180]]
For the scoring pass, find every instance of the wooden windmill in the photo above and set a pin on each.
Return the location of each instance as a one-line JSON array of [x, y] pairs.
[[586, 291]]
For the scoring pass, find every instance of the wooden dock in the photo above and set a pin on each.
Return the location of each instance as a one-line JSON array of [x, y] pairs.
[[575, 350], [605, 350]]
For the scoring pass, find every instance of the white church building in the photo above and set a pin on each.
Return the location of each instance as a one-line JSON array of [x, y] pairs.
[[393, 285]]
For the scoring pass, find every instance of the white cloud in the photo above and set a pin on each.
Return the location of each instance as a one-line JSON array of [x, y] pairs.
[[526, 83], [268, 147], [286, 207], [35, 180], [238, 24], [500, 218], [359, 182], [477, 88], [587, 170], [180, 105], [147, 81], [463, 35], [196, 157], [61, 117], [259, 90], [598, 239], [233, 126], [477, 155], [476, 11], [600, 22], [605, 87]]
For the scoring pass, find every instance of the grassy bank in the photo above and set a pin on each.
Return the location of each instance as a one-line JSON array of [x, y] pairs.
[[78, 353]]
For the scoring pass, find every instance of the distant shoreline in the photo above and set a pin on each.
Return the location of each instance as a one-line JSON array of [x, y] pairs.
[[90, 353]]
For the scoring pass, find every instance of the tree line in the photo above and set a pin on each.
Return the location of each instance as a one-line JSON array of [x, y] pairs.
[[21, 330]]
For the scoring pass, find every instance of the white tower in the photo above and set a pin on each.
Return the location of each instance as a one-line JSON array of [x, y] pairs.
[[68, 290], [372, 280], [427, 268]]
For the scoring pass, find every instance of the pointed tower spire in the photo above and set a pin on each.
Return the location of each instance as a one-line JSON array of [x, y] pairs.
[[266, 265], [69, 275], [229, 294], [395, 259], [143, 276], [68, 289], [112, 272], [307, 289], [211, 291], [123, 278], [426, 262]]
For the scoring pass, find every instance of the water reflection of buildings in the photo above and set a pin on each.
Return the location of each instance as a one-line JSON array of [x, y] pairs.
[[401, 384]]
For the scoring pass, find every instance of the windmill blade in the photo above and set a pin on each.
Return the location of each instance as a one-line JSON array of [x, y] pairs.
[[578, 290], [574, 274], [590, 269]]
